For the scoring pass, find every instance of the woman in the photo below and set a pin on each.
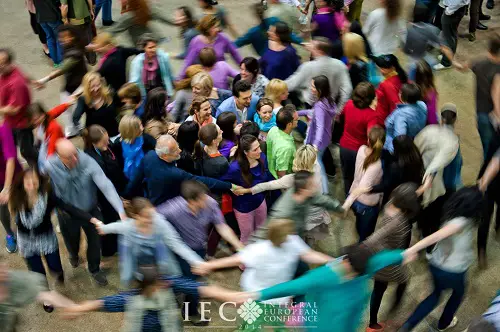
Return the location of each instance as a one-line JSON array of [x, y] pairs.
[[184, 95], [389, 90], [201, 112], [277, 91], [209, 8], [452, 256], [355, 27], [319, 131], [183, 18], [384, 28], [368, 172], [155, 115], [97, 104], [187, 138], [203, 85], [210, 36], [250, 72], [220, 71], [323, 21], [211, 162], [151, 69], [394, 233], [424, 78], [227, 122], [354, 50], [31, 204], [249, 169], [359, 116], [281, 59]]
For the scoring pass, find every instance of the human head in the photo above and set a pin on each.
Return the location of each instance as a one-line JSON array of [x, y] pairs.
[[196, 194], [407, 156], [424, 78], [142, 211], [405, 199], [227, 122], [420, 13], [320, 88], [305, 158], [250, 128], [96, 137], [6, 61], [130, 127], [494, 45], [167, 148], [38, 114], [67, 153], [210, 135], [130, 95], [207, 57], [202, 84], [389, 63], [466, 202], [320, 46], [278, 231], [68, 36], [354, 47], [248, 151], [103, 43], [209, 26], [184, 17], [28, 182], [449, 114], [156, 103], [149, 44], [364, 95], [357, 256], [276, 90], [242, 92], [376, 140], [249, 69], [280, 32], [265, 109], [393, 8], [287, 118], [95, 86], [410, 93], [303, 185], [200, 109], [187, 135]]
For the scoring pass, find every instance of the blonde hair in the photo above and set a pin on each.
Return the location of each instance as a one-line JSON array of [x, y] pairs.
[[278, 231], [205, 81], [130, 128], [105, 91], [354, 47], [275, 89], [376, 140], [206, 23], [305, 158], [104, 38]]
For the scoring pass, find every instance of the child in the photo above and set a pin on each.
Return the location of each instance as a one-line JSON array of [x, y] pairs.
[[424, 78], [130, 96], [277, 91], [265, 118]]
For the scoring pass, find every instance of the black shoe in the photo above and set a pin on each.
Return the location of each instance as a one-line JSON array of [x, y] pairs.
[[48, 308], [490, 4], [74, 261], [484, 17], [100, 278], [108, 23], [481, 26]]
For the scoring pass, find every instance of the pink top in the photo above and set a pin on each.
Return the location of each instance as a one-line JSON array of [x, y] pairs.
[[431, 103], [366, 178]]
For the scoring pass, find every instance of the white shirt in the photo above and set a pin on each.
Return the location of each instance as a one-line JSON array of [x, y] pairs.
[[191, 118], [277, 109], [451, 6], [384, 36], [242, 113], [267, 265], [295, 3]]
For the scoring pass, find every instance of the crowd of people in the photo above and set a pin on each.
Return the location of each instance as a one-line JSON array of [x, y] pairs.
[[178, 168]]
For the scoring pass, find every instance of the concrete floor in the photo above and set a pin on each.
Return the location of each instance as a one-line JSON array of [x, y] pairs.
[[452, 86]]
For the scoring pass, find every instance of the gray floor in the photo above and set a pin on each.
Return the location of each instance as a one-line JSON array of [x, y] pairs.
[[452, 86]]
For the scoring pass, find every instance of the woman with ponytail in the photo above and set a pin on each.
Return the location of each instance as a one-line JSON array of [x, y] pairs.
[[368, 172], [211, 162]]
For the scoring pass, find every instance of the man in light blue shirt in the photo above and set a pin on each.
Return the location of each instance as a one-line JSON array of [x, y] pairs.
[[243, 104]]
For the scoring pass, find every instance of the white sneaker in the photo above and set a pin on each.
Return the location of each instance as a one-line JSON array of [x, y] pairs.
[[440, 66], [453, 323], [440, 57]]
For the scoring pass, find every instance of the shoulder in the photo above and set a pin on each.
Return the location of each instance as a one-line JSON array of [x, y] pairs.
[[138, 59], [163, 55], [224, 37]]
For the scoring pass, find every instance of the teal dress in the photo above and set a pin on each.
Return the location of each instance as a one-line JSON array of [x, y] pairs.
[[334, 303]]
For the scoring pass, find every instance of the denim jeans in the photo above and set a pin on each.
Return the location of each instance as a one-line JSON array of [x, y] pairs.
[[192, 299], [442, 280], [55, 48], [324, 177], [366, 219], [106, 10], [486, 131]]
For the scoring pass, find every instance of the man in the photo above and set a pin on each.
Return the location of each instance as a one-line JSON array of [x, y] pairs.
[[476, 14], [335, 70], [280, 143], [243, 104], [191, 214], [75, 178], [163, 178], [14, 100]]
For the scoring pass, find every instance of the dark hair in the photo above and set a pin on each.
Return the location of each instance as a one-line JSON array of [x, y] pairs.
[[448, 117], [18, 200], [284, 117], [75, 33], [264, 102], [192, 190], [337, 5], [208, 133], [187, 136], [250, 128], [390, 61], [393, 9], [191, 22], [8, 52], [155, 105], [357, 29], [241, 86], [92, 135], [207, 57], [323, 44], [244, 145], [251, 65], [137, 204], [147, 38], [467, 202], [420, 13], [410, 93], [146, 276], [408, 158], [37, 108], [424, 78], [322, 84], [363, 95], [405, 198], [358, 255], [259, 11], [494, 44], [301, 180], [226, 121], [283, 32]]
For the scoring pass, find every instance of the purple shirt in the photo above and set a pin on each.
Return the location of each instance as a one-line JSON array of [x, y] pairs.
[[193, 229], [280, 64], [225, 148], [220, 72], [326, 26], [319, 131], [431, 102], [221, 46], [7, 152]]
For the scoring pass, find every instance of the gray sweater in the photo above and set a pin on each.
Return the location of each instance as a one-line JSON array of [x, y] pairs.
[[78, 186]]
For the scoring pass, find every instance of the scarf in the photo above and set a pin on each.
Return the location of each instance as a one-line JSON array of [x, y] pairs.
[[265, 126], [210, 120], [132, 155], [162, 301], [149, 71], [105, 57]]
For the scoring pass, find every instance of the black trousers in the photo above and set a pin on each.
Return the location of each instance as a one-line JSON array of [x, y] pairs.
[[5, 216], [449, 30], [37, 29], [491, 198], [474, 12], [429, 220], [379, 289], [348, 164], [109, 242], [25, 140], [70, 230]]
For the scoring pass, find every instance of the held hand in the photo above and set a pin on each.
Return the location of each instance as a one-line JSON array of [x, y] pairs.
[[233, 151], [409, 256], [98, 224], [238, 191], [38, 85], [243, 297], [346, 207], [237, 129], [70, 313], [201, 269], [481, 184]]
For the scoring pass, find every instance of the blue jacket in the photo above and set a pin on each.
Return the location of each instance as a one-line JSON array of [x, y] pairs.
[[167, 76], [229, 105], [257, 36], [407, 120], [163, 180]]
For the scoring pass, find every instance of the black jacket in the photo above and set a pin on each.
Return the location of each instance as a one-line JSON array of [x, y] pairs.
[[114, 68]]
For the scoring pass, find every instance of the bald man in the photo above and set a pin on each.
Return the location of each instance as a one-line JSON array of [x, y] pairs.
[[76, 177], [163, 178]]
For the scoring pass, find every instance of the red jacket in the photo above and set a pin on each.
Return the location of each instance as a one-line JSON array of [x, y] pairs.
[[357, 123], [54, 132], [388, 97]]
